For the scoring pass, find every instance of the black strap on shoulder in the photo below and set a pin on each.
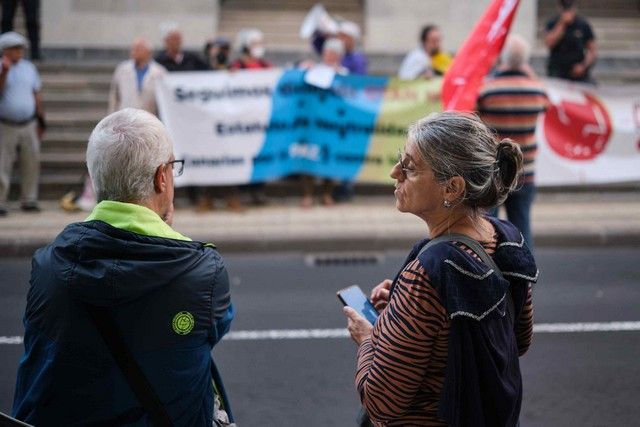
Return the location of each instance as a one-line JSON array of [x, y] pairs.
[[477, 248], [129, 367]]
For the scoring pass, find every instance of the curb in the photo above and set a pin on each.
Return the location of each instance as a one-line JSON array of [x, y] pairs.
[[26, 248]]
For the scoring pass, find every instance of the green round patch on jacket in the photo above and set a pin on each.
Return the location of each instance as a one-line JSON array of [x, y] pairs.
[[183, 323]]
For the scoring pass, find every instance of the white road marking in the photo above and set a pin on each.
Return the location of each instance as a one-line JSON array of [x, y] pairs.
[[293, 334]]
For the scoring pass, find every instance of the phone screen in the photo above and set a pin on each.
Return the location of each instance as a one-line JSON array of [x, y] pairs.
[[356, 299]]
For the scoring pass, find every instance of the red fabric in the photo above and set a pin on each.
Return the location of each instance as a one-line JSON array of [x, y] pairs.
[[476, 56]]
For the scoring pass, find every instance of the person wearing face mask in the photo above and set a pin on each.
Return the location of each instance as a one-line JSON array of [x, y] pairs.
[[250, 43], [428, 59], [216, 53]]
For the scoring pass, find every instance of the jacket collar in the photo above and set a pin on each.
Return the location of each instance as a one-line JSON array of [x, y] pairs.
[[134, 218]]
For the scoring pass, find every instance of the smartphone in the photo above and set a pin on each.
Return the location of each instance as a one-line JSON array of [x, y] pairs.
[[356, 299]]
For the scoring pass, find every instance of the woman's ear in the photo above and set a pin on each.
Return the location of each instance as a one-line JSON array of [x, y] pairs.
[[160, 180], [454, 189]]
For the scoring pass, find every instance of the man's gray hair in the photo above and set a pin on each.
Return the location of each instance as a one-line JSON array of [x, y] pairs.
[[516, 52], [123, 154]]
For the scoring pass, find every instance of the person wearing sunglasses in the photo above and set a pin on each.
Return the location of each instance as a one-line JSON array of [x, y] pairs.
[[455, 319], [123, 311]]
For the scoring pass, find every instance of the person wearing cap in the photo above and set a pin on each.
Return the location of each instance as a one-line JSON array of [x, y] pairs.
[[173, 58], [572, 44], [349, 32], [22, 121], [428, 59], [354, 61], [31, 9], [250, 44]]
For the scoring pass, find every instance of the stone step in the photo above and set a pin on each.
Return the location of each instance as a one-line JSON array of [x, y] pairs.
[[74, 100], [65, 141], [76, 81], [72, 120]]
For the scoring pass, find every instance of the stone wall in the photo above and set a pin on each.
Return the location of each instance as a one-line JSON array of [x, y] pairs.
[[115, 23], [393, 26]]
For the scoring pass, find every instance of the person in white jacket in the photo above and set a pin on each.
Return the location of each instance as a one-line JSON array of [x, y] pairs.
[[133, 86], [134, 80]]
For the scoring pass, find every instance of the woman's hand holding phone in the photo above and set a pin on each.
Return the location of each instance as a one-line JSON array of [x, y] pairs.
[[380, 295]]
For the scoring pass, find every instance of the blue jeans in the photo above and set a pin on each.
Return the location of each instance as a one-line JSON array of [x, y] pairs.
[[518, 207]]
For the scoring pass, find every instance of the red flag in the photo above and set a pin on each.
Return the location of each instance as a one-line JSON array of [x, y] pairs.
[[476, 56]]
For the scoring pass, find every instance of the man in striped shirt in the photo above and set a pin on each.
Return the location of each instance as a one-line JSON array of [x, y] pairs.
[[510, 103]]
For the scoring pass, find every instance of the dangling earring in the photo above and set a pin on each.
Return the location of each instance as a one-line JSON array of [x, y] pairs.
[[447, 204]]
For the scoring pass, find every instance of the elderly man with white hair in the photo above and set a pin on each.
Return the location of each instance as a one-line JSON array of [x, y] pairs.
[[122, 310], [133, 83], [510, 103]]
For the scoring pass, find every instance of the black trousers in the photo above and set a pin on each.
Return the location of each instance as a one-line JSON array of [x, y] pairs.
[[31, 10]]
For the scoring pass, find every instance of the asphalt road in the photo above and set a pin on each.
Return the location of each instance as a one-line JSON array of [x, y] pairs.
[[570, 378]]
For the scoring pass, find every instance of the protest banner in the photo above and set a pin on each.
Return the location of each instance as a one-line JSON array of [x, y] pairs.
[[256, 126]]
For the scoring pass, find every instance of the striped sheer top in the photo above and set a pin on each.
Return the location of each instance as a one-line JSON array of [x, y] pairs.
[[401, 369]]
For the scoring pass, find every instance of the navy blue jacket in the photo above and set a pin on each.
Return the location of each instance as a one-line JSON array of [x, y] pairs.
[[169, 298]]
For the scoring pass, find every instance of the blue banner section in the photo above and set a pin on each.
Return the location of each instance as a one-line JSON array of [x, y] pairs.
[[321, 132]]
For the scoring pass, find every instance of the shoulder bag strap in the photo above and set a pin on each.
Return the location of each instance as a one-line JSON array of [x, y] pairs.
[[129, 367], [477, 248]]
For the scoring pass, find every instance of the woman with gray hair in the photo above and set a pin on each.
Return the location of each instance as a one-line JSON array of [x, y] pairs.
[[453, 322]]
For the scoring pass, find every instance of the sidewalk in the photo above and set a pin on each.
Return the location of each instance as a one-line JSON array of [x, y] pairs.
[[367, 223]]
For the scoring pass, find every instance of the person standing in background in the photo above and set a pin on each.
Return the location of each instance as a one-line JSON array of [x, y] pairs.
[[132, 86], [354, 61], [428, 59], [510, 103], [332, 53], [173, 58], [216, 54], [134, 80], [31, 10], [250, 44], [571, 43], [22, 122]]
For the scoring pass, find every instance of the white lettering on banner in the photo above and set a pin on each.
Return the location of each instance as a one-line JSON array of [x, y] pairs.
[[305, 151], [590, 135]]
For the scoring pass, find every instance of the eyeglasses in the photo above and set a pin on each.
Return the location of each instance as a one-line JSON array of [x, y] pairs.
[[405, 170], [177, 166]]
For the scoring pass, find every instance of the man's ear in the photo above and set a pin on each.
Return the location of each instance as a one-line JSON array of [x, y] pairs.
[[160, 180], [454, 189]]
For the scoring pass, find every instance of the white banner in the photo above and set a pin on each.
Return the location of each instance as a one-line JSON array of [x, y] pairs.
[[253, 126], [590, 135]]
